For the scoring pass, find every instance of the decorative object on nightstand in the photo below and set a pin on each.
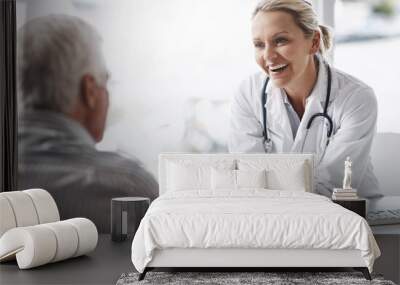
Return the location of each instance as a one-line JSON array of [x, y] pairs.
[[357, 206], [347, 192], [347, 173], [344, 194], [126, 214], [347, 196]]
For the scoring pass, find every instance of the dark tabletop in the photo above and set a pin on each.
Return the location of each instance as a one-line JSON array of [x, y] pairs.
[[102, 266]]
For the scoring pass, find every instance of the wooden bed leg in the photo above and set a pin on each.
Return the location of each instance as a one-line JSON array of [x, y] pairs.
[[142, 275], [364, 271]]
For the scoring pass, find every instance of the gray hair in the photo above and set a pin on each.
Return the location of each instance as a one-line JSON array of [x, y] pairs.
[[303, 15], [53, 54]]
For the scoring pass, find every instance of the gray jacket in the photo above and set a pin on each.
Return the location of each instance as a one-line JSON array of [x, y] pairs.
[[57, 154]]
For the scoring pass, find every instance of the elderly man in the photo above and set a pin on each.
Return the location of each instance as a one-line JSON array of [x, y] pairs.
[[63, 100]]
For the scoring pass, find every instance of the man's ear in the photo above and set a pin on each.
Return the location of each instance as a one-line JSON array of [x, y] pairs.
[[315, 42], [88, 91]]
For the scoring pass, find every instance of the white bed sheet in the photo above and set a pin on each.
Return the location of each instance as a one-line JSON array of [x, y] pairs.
[[252, 218]]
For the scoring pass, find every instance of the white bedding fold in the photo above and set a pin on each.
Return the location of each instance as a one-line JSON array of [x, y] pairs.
[[250, 219]]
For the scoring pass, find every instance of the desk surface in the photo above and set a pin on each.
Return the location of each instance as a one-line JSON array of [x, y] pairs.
[[102, 266], [386, 229]]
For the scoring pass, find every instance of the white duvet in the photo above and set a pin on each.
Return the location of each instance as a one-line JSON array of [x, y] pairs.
[[250, 219]]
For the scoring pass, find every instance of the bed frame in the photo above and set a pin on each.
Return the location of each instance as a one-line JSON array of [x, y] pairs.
[[234, 259], [250, 259]]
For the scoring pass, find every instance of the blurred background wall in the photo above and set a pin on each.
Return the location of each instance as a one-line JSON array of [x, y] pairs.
[[176, 64]]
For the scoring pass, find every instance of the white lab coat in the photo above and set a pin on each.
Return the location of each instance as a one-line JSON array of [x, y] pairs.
[[352, 107]]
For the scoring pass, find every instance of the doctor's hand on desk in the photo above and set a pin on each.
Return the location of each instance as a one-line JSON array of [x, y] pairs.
[[299, 103]]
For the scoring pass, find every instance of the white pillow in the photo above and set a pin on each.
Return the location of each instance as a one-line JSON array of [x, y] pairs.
[[193, 174], [251, 178], [282, 174], [226, 179], [293, 179], [223, 179], [187, 177]]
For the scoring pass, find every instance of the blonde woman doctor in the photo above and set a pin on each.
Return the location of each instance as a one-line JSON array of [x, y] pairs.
[[299, 103]]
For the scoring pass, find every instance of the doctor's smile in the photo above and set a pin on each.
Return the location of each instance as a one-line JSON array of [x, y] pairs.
[[277, 69]]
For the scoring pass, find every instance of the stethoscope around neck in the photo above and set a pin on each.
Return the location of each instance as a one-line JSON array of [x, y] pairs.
[[267, 139]]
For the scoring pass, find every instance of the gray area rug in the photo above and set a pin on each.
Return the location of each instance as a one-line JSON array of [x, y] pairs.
[[229, 278]]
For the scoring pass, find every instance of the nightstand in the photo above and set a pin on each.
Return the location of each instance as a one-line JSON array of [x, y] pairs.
[[126, 214], [358, 206]]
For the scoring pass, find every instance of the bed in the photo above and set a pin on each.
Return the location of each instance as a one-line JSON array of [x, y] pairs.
[[247, 211]]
